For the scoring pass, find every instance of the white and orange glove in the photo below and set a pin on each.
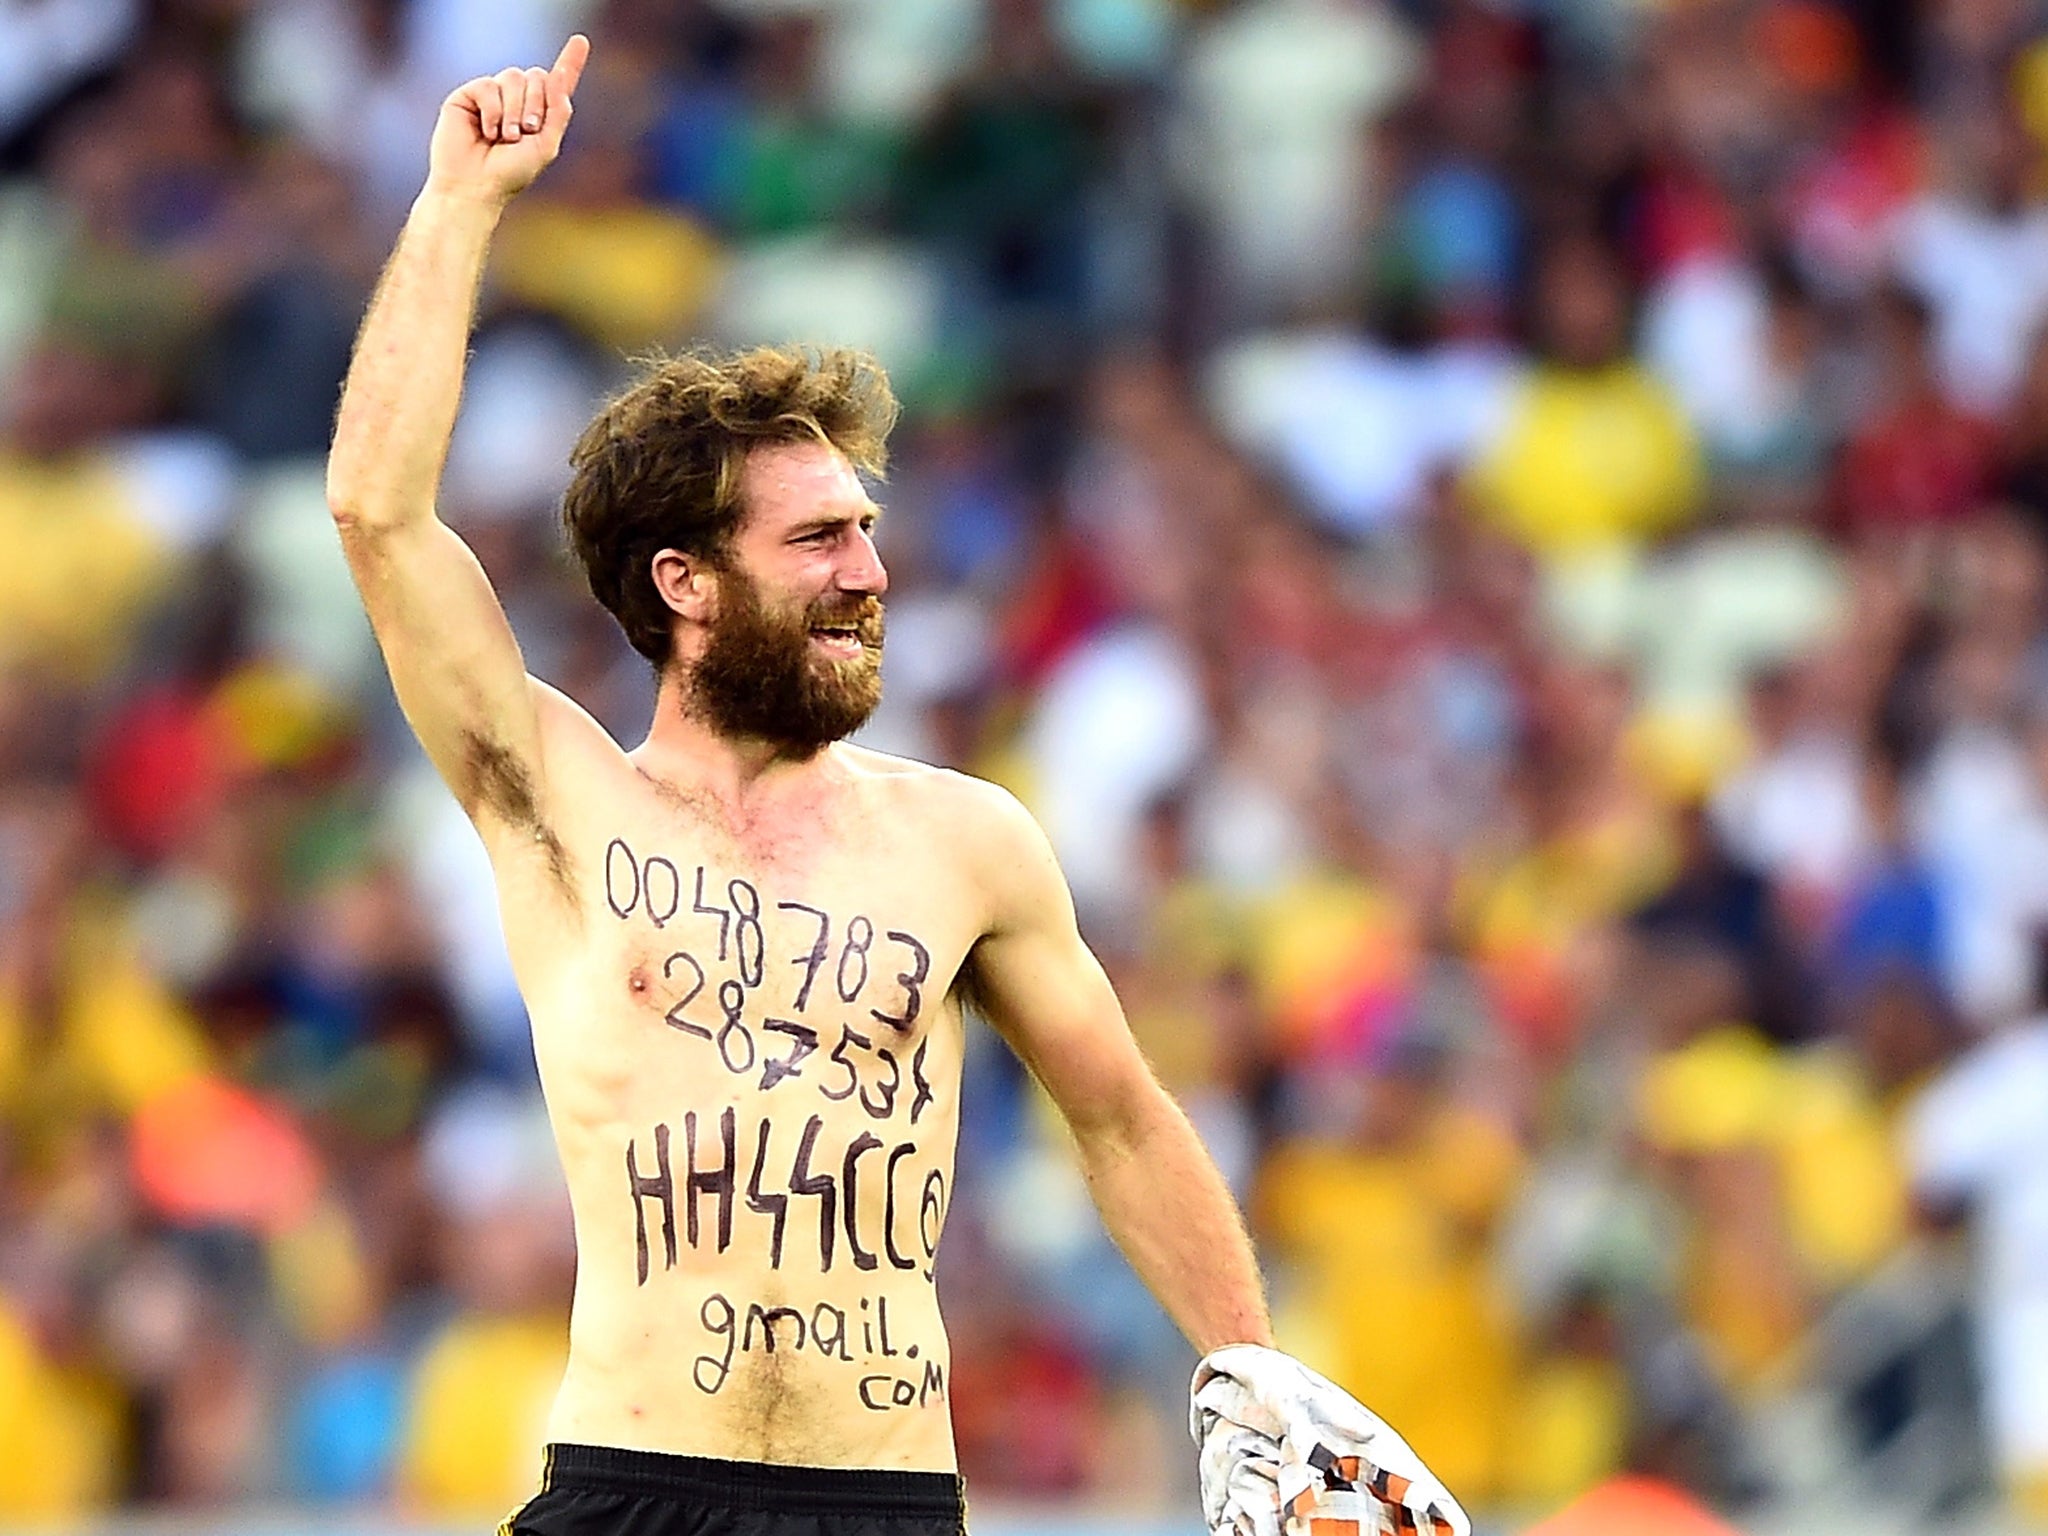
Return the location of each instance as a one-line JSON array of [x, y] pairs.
[[1288, 1452]]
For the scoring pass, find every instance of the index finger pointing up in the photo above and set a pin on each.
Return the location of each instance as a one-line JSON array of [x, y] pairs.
[[570, 61]]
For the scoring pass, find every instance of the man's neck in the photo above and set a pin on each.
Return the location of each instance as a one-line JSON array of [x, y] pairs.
[[690, 753]]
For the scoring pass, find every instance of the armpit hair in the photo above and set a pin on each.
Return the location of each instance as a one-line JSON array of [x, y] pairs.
[[968, 987], [495, 782]]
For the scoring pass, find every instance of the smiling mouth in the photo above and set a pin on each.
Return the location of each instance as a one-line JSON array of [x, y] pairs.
[[841, 639]]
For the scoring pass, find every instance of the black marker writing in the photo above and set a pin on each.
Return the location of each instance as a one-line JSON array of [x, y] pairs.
[[881, 1106], [717, 1181], [847, 1037], [824, 1333], [860, 937], [850, 1204], [654, 884], [917, 1081], [675, 890], [896, 1260], [931, 1217], [806, 1038], [747, 940], [913, 981], [832, 1345], [882, 1391], [718, 1317], [674, 1017], [714, 1172], [762, 1204], [661, 1186], [768, 1317], [731, 997], [740, 1050], [803, 1182], [880, 1319], [816, 957], [724, 917], [620, 908]]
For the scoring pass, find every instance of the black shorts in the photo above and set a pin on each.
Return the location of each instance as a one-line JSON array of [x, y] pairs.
[[599, 1490]]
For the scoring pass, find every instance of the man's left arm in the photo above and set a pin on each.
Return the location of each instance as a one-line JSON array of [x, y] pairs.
[[1159, 1192]]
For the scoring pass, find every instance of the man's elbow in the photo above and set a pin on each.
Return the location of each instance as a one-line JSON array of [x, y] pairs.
[[351, 502], [347, 512], [360, 512]]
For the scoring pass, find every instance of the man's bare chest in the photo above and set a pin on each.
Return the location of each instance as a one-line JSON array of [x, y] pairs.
[[810, 962], [871, 923], [757, 1060]]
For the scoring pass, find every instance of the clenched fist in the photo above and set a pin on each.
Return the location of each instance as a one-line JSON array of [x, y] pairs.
[[498, 132]]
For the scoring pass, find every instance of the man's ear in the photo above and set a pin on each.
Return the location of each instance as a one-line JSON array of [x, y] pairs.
[[687, 583]]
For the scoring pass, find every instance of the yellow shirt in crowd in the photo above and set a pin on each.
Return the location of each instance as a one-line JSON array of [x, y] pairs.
[[1589, 458], [478, 1413], [80, 564]]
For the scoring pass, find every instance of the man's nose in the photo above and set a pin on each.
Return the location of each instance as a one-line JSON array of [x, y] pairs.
[[864, 571]]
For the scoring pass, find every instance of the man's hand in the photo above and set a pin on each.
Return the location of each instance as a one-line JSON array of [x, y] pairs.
[[498, 132], [1285, 1451]]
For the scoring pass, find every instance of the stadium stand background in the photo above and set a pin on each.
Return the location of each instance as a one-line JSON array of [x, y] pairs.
[[1504, 539]]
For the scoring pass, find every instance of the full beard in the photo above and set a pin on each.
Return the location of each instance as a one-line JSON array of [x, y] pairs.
[[761, 675]]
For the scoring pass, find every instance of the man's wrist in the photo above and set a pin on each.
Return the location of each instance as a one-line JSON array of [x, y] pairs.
[[461, 202], [1256, 1338]]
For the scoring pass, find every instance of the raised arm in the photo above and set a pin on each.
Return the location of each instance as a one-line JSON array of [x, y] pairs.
[[1160, 1194], [453, 660]]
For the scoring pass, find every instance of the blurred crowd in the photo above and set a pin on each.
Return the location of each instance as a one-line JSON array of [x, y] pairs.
[[1506, 541]]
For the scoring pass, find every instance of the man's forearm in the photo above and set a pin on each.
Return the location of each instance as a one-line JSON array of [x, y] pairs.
[[1167, 1207], [405, 380]]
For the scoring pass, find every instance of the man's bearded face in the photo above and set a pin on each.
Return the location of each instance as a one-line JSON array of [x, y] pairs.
[[802, 675]]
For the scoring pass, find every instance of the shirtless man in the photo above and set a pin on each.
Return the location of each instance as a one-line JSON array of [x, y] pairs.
[[745, 946]]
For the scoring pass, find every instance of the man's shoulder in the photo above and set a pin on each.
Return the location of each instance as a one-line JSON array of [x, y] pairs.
[[988, 836], [968, 805]]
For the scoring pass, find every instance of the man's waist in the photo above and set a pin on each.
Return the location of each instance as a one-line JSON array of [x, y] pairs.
[[774, 1487], [760, 1396]]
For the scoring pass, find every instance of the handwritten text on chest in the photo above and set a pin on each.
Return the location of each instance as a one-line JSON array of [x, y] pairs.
[[778, 1153]]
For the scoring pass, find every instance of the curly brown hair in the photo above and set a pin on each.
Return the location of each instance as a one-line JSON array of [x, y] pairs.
[[659, 468]]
